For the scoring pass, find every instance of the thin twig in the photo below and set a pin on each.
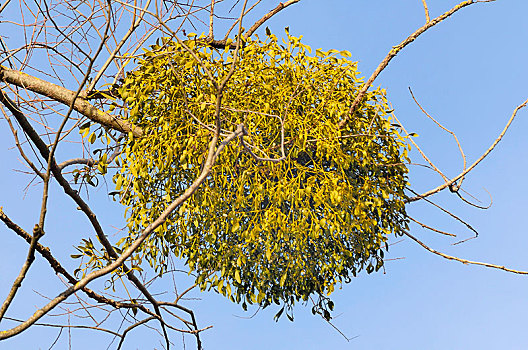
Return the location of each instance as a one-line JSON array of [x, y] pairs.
[[3, 100], [449, 213], [484, 155], [427, 18], [464, 261], [66, 326], [431, 228], [420, 150], [459, 184], [394, 51], [110, 58], [211, 17]]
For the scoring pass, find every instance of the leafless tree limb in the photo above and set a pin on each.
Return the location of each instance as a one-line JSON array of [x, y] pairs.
[[447, 130], [424, 156], [65, 96], [4, 99], [431, 228], [395, 50], [464, 261], [4, 5], [426, 9], [462, 174], [69, 326], [450, 214], [281, 6], [37, 234]]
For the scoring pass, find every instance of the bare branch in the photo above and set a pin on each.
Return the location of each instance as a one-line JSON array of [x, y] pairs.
[[236, 22], [395, 50], [212, 155], [110, 58], [431, 228], [473, 204], [37, 234], [65, 96], [464, 261], [447, 130], [281, 6], [462, 174], [450, 214], [427, 18], [68, 326], [128, 329], [86, 161], [4, 99], [424, 156], [211, 18], [4, 5]]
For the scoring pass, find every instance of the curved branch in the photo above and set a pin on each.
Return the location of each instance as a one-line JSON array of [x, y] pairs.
[[462, 174], [431, 228], [395, 50], [473, 204], [446, 130], [426, 9], [131, 327], [464, 261]]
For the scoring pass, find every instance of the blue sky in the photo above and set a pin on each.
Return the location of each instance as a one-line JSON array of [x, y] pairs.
[[469, 72]]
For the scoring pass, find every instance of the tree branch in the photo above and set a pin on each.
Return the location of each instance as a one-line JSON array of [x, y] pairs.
[[462, 174], [211, 158], [426, 9], [59, 269], [431, 228], [463, 261], [37, 234], [395, 50], [4, 99], [281, 6], [65, 96], [447, 130], [133, 27]]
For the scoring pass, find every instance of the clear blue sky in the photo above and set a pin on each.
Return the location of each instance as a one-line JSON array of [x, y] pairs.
[[470, 73]]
